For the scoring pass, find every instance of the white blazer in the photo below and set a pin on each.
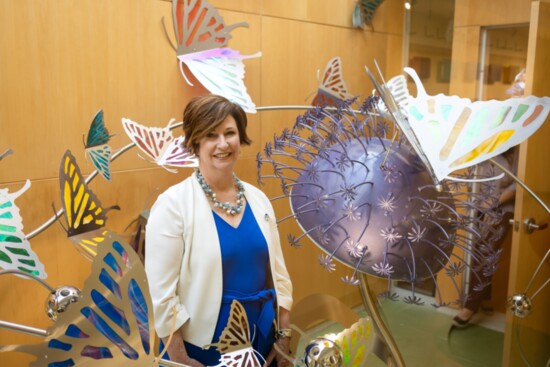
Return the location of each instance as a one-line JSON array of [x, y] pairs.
[[183, 259]]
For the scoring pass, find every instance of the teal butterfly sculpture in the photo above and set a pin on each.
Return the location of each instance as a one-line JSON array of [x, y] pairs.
[[111, 325], [15, 249], [96, 146], [364, 12]]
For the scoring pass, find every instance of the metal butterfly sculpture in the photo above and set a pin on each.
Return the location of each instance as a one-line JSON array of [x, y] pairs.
[[15, 249], [159, 145], [96, 146], [84, 215], [202, 37], [363, 13], [450, 133], [111, 325], [235, 344], [332, 90]]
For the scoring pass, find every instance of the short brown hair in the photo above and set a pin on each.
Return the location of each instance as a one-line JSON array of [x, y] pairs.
[[205, 113]]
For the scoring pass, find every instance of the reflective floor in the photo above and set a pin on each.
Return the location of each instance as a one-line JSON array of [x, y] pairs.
[[423, 337]]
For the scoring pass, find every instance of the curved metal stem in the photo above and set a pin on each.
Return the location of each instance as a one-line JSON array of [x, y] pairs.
[[394, 357], [505, 170], [19, 272]]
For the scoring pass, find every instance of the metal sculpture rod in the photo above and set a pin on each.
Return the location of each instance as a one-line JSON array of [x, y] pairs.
[[29, 330], [539, 200], [394, 358]]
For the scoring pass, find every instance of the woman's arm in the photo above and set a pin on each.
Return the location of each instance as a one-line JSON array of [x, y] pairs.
[[163, 256]]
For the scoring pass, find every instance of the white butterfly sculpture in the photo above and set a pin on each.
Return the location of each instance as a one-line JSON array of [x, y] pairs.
[[15, 250], [202, 36], [235, 345], [159, 145], [451, 133]]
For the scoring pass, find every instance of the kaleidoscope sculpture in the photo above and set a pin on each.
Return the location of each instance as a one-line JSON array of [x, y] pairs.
[[372, 205]]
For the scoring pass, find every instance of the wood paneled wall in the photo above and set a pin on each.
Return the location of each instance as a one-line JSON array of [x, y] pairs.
[[63, 60]]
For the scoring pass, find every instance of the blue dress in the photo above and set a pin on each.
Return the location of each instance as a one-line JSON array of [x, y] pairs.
[[245, 260]]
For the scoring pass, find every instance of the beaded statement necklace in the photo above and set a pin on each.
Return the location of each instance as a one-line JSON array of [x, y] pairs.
[[227, 207]]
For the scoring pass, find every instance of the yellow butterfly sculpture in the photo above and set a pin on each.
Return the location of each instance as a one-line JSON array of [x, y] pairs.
[[84, 214]]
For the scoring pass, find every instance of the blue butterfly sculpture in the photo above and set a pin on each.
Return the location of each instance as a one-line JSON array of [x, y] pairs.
[[96, 146], [111, 325]]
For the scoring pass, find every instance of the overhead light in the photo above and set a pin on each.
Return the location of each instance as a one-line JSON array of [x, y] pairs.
[[408, 5]]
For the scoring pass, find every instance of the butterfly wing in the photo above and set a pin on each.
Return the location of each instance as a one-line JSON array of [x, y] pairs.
[[150, 140], [176, 156], [82, 209], [397, 86], [98, 133], [101, 157], [456, 133], [15, 249], [367, 9], [395, 112], [234, 345], [113, 322], [241, 358], [221, 71], [355, 343], [199, 26], [332, 89]]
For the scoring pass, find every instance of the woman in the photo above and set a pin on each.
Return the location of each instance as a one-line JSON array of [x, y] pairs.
[[211, 239], [479, 293]]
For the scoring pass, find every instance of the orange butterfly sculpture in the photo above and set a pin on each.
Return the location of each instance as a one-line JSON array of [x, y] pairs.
[[332, 90]]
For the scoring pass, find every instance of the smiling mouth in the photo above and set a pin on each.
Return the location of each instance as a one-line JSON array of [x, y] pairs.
[[222, 155]]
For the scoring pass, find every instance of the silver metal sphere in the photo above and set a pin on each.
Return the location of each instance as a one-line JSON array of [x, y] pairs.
[[323, 352], [520, 305], [60, 299]]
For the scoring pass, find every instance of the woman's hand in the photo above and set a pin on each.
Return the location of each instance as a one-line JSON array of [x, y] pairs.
[[177, 352], [284, 345]]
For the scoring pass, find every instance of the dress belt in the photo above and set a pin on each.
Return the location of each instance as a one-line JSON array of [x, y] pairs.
[[267, 313]]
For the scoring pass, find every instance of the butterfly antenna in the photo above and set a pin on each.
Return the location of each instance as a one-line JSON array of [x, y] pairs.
[[167, 36], [183, 73], [6, 153], [20, 192], [148, 200], [111, 208], [458, 179]]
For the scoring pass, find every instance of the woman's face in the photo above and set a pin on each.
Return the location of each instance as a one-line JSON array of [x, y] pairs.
[[220, 148]]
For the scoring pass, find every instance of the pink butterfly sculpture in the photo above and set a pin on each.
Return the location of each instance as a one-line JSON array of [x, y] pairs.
[[159, 145], [201, 39]]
